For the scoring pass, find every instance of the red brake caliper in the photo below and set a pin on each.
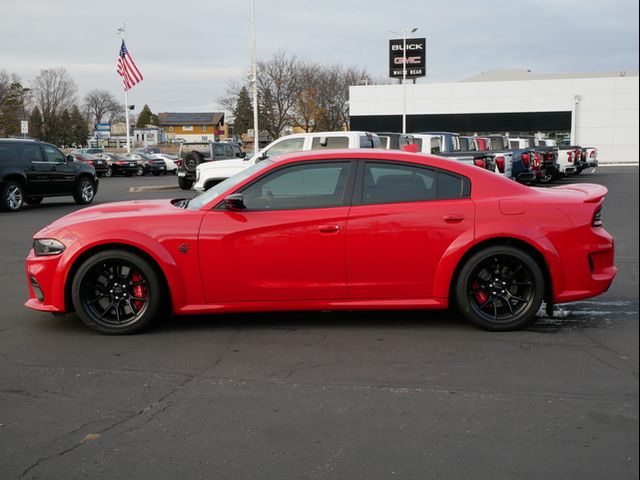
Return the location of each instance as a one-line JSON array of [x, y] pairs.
[[138, 291], [481, 296]]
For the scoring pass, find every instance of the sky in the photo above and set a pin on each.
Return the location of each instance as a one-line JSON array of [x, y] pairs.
[[188, 52]]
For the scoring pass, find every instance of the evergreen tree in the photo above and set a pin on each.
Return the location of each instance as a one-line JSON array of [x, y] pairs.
[[79, 127], [35, 123], [12, 110], [145, 117], [243, 113], [63, 131], [154, 120]]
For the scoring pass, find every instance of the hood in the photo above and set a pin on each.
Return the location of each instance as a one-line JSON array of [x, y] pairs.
[[128, 211]]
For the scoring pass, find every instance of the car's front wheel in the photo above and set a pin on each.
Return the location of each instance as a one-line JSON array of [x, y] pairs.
[[117, 292], [500, 288], [85, 191]]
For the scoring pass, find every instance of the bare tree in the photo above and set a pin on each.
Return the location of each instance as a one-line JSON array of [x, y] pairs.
[[278, 88], [101, 105], [54, 91]]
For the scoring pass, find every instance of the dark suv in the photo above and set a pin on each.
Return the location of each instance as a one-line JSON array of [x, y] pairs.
[[31, 170], [193, 154]]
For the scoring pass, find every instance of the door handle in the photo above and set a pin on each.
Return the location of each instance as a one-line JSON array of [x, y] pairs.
[[329, 228], [453, 218]]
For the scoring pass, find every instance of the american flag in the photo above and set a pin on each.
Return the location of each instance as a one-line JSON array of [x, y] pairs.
[[127, 68]]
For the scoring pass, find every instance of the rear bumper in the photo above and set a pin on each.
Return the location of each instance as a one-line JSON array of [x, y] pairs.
[[526, 177], [588, 268]]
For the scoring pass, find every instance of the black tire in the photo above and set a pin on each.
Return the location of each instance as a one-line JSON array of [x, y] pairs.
[[12, 196], [140, 171], [85, 191], [185, 183], [500, 288], [546, 177], [116, 292], [33, 200], [192, 160], [109, 172]]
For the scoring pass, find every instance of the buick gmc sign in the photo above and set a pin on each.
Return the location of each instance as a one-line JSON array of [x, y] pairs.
[[416, 57]]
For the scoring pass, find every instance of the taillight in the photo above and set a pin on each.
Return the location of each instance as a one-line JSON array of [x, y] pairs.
[[570, 156], [500, 164], [479, 162], [526, 158], [179, 162], [592, 154], [536, 159], [548, 156], [597, 218]]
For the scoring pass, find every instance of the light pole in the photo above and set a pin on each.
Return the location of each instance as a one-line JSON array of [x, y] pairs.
[[254, 80], [404, 75]]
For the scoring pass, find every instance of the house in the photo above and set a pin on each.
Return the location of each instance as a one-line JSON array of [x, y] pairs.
[[205, 126], [149, 135]]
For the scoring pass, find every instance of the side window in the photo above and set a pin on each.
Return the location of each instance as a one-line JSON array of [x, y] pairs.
[[9, 153], [329, 142], [228, 151], [386, 183], [450, 186], [218, 150], [436, 145], [53, 154], [310, 185], [32, 153], [286, 146]]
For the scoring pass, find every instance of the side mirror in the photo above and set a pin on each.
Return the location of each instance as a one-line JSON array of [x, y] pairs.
[[262, 156], [70, 158], [235, 201]]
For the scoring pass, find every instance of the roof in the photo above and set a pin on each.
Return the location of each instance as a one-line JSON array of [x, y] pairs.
[[201, 118], [525, 74]]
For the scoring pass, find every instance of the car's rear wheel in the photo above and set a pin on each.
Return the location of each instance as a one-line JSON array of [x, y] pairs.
[[500, 288], [85, 191], [109, 172], [12, 196], [140, 171], [117, 292]]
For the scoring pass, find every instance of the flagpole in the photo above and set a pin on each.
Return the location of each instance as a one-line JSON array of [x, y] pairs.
[[126, 96]]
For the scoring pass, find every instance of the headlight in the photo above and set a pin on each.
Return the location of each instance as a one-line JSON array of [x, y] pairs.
[[47, 246]]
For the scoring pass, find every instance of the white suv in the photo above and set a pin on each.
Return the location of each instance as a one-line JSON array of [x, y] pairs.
[[211, 173]]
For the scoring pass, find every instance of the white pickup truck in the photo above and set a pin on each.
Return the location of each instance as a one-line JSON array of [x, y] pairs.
[[209, 174]]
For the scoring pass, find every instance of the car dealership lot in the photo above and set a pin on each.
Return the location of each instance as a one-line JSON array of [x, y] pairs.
[[321, 395]]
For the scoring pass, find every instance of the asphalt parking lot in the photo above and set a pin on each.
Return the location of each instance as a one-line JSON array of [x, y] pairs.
[[373, 395]]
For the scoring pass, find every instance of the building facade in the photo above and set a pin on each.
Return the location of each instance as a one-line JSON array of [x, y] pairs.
[[193, 127], [597, 109]]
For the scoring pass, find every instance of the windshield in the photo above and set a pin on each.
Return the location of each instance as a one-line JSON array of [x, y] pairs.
[[230, 182]]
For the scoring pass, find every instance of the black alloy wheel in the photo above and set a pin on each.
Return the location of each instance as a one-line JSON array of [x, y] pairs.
[[117, 292], [140, 171], [500, 288]]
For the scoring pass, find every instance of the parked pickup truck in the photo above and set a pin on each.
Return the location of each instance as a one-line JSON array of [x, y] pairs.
[[211, 173], [544, 154]]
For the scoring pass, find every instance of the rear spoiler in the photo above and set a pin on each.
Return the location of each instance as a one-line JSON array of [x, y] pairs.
[[594, 193]]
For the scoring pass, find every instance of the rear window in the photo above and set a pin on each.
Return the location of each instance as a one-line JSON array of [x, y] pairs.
[[370, 141], [9, 153], [329, 142]]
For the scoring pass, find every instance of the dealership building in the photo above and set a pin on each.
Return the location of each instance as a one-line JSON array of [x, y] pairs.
[[589, 109]]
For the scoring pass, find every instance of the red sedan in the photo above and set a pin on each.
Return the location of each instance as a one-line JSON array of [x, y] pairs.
[[334, 230]]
